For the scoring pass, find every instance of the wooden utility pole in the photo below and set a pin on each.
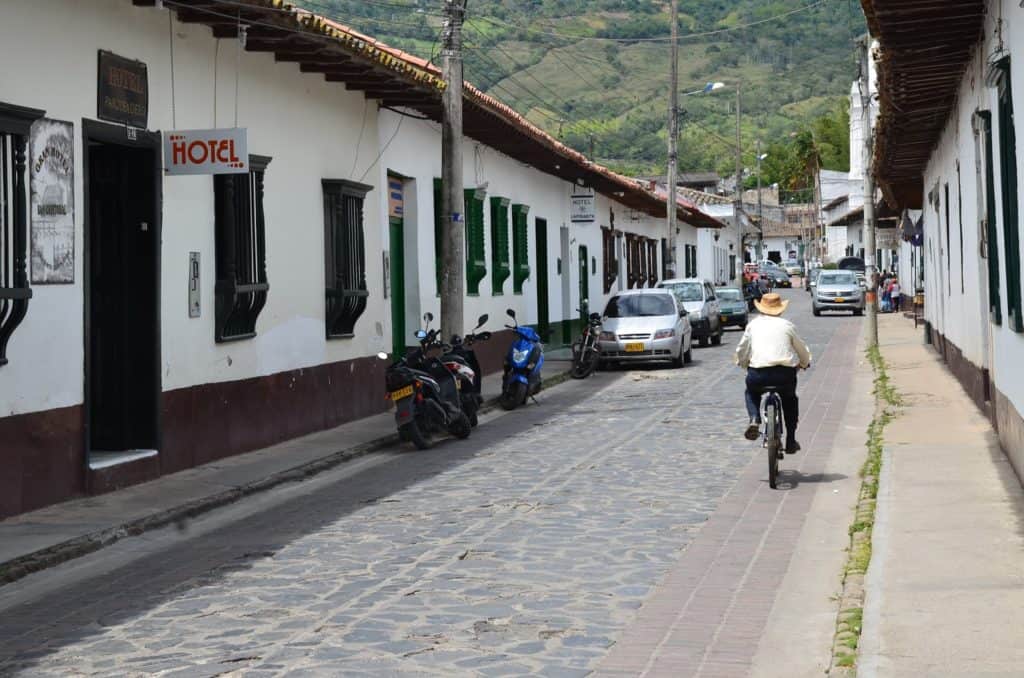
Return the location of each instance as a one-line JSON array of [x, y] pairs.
[[870, 272], [673, 147], [452, 201], [738, 199]]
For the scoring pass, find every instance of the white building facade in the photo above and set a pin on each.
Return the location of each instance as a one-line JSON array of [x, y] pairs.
[[150, 322], [967, 182]]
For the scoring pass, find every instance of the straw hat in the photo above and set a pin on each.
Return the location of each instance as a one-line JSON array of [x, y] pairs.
[[771, 304]]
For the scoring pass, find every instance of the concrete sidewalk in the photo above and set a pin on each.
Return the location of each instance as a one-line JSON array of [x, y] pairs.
[[39, 539], [945, 589]]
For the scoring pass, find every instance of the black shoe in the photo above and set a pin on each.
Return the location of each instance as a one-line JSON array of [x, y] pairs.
[[753, 430], [792, 446]]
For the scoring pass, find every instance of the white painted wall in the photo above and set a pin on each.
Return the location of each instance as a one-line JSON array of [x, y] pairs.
[[960, 313], [309, 127], [415, 152]]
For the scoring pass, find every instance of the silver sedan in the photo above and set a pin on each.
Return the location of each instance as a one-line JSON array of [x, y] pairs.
[[645, 325]]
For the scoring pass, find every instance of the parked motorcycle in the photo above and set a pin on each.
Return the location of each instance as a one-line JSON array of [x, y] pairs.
[[425, 393], [522, 366], [586, 353], [462, 362]]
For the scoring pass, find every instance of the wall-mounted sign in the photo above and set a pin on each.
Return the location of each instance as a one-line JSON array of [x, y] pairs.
[[396, 199], [206, 151], [582, 207], [122, 92], [52, 185]]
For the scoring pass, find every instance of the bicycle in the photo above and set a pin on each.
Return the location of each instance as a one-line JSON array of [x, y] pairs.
[[586, 353], [773, 433]]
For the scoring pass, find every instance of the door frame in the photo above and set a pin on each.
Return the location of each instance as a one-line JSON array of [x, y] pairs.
[[397, 272], [106, 133]]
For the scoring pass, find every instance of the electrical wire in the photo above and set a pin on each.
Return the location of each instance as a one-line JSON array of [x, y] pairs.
[[688, 36]]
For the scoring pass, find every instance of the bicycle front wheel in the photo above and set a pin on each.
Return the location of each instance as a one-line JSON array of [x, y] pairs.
[[772, 443]]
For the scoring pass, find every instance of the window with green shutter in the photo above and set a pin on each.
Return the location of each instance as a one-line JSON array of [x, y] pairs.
[[995, 306], [501, 269], [476, 263], [1008, 172], [520, 248]]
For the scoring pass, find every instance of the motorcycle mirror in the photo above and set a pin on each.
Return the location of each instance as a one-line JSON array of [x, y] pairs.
[[481, 320], [428, 317], [382, 355], [511, 313], [421, 334]]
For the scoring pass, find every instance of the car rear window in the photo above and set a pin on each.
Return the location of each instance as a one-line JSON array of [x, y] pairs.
[[640, 306], [841, 278], [688, 291], [729, 295]]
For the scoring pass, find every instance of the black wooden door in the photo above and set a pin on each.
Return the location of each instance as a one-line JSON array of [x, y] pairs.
[[123, 300]]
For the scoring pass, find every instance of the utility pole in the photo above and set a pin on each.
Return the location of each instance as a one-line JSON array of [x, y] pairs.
[[452, 201], [673, 146], [738, 199], [870, 272], [760, 203]]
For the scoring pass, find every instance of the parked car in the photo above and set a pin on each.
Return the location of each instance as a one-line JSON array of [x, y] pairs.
[[732, 307], [793, 267], [838, 291], [852, 264], [779, 277], [644, 325], [698, 298], [811, 280]]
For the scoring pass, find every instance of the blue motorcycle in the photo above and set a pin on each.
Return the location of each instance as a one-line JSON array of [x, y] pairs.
[[522, 366]]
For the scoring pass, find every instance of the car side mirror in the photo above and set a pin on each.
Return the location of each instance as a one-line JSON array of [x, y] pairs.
[[682, 313]]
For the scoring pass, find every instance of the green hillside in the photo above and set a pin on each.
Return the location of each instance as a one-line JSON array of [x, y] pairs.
[[596, 71]]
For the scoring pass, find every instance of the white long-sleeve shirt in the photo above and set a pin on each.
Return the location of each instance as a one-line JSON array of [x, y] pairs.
[[771, 341]]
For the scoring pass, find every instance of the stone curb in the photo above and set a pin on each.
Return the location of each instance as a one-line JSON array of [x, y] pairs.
[[48, 557], [849, 621]]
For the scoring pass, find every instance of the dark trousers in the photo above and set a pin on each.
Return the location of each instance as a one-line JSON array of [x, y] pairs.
[[784, 379], [896, 299]]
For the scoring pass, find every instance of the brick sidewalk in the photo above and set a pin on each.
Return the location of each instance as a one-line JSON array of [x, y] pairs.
[[708, 614]]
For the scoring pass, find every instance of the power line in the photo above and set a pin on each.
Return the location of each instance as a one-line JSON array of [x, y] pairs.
[[688, 36]]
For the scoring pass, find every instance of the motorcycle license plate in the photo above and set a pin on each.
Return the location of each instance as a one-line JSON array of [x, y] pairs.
[[402, 393], [840, 300], [635, 347]]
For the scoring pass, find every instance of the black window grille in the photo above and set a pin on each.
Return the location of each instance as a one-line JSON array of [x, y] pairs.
[[241, 287], [345, 255], [1008, 174], [15, 124]]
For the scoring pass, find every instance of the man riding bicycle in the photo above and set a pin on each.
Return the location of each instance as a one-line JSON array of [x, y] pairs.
[[772, 352]]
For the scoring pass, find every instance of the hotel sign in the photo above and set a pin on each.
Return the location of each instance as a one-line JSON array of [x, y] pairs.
[[122, 93], [206, 151], [581, 207]]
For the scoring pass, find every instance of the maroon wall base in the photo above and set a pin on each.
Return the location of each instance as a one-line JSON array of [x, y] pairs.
[[212, 421], [974, 379], [43, 459]]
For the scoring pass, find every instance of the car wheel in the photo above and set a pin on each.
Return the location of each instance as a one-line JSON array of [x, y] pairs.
[[717, 339], [858, 311], [688, 355], [702, 342], [678, 361], [816, 311]]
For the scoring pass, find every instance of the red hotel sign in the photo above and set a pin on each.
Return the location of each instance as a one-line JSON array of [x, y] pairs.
[[206, 151]]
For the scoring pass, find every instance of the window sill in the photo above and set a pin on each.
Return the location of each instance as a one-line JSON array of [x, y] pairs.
[[340, 336]]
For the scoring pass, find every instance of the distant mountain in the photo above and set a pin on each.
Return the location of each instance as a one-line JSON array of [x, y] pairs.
[[793, 60]]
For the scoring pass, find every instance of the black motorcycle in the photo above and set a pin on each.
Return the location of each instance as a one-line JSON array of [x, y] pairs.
[[425, 393], [462, 362], [586, 353]]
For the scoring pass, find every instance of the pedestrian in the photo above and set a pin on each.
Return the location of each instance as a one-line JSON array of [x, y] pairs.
[[886, 298], [896, 295]]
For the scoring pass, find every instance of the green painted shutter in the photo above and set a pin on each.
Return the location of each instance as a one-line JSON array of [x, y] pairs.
[[500, 268], [1011, 227], [520, 248], [476, 264], [995, 305]]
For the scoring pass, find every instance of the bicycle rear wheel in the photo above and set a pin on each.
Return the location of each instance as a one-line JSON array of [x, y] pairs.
[[772, 442]]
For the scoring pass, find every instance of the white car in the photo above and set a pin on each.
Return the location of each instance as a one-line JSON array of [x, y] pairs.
[[645, 325]]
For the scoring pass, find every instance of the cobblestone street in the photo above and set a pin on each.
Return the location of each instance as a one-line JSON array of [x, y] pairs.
[[532, 548]]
